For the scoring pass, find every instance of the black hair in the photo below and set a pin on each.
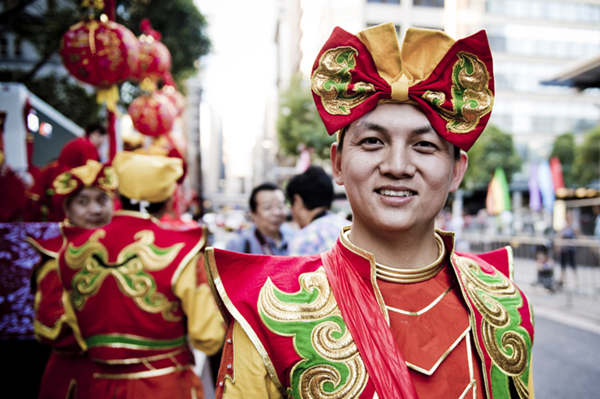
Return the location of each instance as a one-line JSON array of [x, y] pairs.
[[94, 127], [152, 208], [342, 134], [541, 249], [314, 186], [261, 187]]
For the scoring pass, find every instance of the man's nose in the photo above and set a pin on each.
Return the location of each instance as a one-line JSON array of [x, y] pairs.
[[397, 162]]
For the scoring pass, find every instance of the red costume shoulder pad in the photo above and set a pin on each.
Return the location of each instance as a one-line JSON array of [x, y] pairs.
[[49, 247]]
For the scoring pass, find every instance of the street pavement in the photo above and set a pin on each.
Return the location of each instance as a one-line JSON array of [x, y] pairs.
[[567, 332]]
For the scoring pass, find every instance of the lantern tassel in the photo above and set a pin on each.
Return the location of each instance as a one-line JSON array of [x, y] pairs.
[[109, 97]]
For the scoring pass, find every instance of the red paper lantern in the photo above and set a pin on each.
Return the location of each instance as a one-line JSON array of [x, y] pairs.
[[154, 59], [101, 53], [152, 114], [175, 97]]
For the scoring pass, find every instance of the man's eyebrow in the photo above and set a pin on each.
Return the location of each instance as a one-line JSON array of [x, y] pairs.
[[423, 130], [371, 126]]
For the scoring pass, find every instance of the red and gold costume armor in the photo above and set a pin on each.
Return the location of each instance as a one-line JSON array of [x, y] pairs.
[[464, 328], [68, 371], [138, 298]]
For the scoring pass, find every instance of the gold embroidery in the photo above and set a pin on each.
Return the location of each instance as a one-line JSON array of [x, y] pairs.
[[471, 97], [332, 79], [312, 311], [64, 183], [91, 259], [511, 353]]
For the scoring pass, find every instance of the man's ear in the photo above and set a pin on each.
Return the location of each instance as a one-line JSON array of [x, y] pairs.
[[336, 164], [460, 167], [297, 199]]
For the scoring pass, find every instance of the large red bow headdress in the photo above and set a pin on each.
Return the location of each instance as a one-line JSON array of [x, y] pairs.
[[450, 81]]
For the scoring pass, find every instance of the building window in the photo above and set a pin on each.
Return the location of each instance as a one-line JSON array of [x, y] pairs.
[[429, 3], [384, 1]]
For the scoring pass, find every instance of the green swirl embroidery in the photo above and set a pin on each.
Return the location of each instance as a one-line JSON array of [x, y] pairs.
[[331, 363], [471, 97], [332, 79], [498, 301]]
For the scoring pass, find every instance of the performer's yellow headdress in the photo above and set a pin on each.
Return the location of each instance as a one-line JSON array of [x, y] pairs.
[[151, 178]]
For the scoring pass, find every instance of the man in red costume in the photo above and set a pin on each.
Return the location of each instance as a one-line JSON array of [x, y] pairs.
[[136, 291], [392, 310], [85, 193]]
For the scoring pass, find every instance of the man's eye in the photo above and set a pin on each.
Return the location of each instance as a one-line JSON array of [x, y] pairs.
[[426, 146], [371, 141]]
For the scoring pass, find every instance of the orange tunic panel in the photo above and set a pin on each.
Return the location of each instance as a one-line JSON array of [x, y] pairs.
[[430, 323]]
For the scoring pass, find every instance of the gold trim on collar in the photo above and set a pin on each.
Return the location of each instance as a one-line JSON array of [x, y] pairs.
[[422, 311], [220, 293], [402, 275]]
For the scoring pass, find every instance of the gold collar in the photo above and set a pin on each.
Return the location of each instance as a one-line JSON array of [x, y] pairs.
[[402, 275]]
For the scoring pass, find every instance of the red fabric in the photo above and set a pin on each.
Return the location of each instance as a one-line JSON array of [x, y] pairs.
[[182, 384], [440, 80], [112, 135], [77, 152], [66, 373], [122, 314], [382, 358], [13, 200], [425, 338], [485, 261]]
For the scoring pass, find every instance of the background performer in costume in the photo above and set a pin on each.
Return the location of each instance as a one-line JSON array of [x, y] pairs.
[[87, 203], [138, 295], [392, 310]]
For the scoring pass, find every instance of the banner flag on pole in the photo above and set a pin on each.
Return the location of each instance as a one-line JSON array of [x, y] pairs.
[[535, 197], [557, 174], [498, 196]]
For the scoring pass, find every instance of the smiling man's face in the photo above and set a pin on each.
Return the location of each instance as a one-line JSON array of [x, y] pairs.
[[396, 169]]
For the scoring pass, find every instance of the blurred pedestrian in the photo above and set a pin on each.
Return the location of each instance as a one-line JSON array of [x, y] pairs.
[[267, 235], [392, 310], [567, 251], [310, 194], [137, 292], [545, 269], [85, 193]]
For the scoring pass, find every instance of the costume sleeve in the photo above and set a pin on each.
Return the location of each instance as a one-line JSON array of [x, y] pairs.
[[206, 329], [250, 378], [54, 318]]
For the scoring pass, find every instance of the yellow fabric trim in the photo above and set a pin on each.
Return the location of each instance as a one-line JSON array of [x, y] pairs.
[[205, 325], [228, 308], [142, 374], [250, 377], [87, 173], [71, 320], [41, 249], [530, 382], [382, 42], [403, 67]]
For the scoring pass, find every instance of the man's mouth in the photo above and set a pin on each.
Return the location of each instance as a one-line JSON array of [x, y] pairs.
[[395, 193]]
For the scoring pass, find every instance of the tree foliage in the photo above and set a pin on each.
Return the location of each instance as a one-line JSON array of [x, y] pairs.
[[564, 149], [42, 24], [298, 122], [587, 158], [494, 149]]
